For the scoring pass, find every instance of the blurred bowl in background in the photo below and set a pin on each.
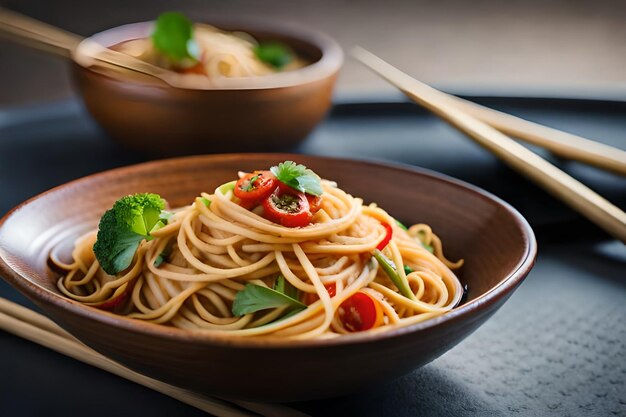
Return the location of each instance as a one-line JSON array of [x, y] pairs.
[[272, 112]]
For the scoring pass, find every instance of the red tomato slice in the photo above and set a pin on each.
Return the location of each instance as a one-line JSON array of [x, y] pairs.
[[290, 208], [360, 312], [314, 201], [254, 187]]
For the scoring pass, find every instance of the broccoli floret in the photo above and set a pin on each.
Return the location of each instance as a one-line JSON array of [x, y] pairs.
[[123, 227]]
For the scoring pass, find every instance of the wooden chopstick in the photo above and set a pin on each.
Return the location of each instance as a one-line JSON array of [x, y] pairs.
[[24, 26], [578, 196], [42, 36], [562, 144], [34, 41], [32, 326]]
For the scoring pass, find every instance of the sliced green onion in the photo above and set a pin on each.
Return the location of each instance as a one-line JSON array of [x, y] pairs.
[[229, 186], [387, 265], [402, 226]]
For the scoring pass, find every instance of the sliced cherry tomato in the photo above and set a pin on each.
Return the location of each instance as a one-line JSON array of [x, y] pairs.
[[254, 187], [360, 312], [290, 208], [310, 298], [248, 204], [387, 238], [315, 202]]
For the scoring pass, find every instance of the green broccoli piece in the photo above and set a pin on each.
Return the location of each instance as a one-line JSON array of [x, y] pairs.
[[125, 226]]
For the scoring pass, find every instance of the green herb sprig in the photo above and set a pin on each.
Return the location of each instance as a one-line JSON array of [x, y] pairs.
[[299, 177], [275, 54], [173, 37], [254, 298]]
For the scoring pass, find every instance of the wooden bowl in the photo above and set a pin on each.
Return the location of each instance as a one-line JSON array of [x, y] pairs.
[[496, 242], [273, 112]]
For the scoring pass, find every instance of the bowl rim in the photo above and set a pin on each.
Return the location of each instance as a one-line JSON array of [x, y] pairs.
[[474, 307], [328, 65]]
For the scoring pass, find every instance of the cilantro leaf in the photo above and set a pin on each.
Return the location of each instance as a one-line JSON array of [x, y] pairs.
[[299, 177], [275, 54], [255, 297], [283, 286], [173, 37]]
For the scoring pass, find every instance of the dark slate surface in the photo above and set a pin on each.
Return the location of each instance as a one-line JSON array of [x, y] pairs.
[[557, 347]]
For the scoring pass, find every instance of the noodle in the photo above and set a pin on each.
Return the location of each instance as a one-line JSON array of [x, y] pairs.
[[223, 54], [215, 250]]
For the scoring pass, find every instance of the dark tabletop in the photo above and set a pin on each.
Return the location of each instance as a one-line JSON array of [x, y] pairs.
[[557, 347]]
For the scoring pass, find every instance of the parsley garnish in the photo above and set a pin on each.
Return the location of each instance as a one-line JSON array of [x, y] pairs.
[[299, 177], [275, 54], [255, 297], [173, 37]]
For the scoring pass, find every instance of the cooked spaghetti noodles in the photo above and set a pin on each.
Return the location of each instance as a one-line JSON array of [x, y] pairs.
[[221, 54], [215, 251]]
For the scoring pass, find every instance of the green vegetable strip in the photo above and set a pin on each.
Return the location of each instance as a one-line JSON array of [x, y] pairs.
[[401, 283], [402, 226], [229, 186], [427, 247]]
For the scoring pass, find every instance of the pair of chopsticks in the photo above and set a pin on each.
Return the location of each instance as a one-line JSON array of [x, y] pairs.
[[27, 324], [36, 34], [489, 128], [42, 36]]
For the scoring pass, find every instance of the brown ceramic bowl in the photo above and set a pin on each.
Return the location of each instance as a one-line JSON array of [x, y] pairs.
[[273, 112], [496, 242]]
